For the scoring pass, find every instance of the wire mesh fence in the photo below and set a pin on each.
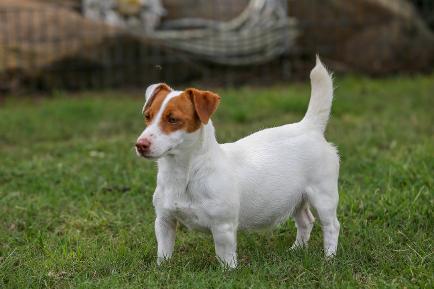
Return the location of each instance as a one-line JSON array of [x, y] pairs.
[[45, 45]]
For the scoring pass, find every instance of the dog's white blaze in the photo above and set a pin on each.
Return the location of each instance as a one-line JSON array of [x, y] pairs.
[[150, 92], [154, 129]]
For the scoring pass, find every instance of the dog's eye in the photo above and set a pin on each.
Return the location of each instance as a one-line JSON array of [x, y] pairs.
[[172, 120], [147, 116]]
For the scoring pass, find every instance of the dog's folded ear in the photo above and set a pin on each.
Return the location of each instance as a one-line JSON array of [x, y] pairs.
[[151, 91], [205, 103]]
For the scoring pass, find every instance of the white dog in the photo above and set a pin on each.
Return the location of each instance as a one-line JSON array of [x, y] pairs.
[[253, 183]]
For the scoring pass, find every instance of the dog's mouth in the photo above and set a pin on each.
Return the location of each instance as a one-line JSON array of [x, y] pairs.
[[150, 156], [142, 154], [147, 156]]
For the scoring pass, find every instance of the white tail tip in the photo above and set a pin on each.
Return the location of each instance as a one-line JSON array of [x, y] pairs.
[[319, 71]]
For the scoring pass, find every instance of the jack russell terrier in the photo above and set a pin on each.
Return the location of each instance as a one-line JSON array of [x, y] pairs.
[[254, 183]]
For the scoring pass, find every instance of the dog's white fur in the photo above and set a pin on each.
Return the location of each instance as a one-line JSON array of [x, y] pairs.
[[256, 182]]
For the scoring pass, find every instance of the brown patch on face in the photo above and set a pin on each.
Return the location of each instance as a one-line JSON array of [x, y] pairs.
[[180, 114], [154, 104]]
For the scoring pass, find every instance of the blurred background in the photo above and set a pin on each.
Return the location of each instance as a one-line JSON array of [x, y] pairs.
[[91, 44], [76, 202]]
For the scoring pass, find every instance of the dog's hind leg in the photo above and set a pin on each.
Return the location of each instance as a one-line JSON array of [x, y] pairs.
[[304, 222], [325, 202]]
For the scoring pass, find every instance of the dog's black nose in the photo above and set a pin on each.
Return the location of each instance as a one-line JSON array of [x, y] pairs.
[[143, 145]]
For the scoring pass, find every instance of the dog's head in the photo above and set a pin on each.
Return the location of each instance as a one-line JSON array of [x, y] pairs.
[[173, 118]]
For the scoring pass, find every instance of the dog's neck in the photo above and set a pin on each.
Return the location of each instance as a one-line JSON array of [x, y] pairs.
[[193, 153]]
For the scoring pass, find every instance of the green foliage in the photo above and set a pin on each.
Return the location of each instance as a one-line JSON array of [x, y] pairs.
[[76, 203]]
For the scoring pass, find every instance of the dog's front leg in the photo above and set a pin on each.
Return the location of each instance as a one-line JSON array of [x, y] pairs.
[[225, 240], [165, 230]]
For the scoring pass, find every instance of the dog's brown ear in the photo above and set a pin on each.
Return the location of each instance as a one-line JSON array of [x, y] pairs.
[[205, 103], [152, 91]]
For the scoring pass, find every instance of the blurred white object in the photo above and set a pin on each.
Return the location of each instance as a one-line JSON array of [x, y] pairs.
[[143, 14], [262, 32]]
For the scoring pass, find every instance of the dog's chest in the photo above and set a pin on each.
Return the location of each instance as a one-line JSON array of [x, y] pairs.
[[191, 216], [181, 206]]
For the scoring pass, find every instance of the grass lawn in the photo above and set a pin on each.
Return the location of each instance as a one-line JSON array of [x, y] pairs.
[[76, 211]]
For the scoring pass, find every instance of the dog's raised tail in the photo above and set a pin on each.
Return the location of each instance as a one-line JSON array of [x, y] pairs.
[[321, 97]]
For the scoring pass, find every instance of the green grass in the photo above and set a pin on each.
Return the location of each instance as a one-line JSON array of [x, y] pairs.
[[75, 201]]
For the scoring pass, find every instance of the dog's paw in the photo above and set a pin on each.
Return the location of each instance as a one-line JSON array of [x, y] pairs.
[[298, 246], [228, 264], [161, 260], [329, 254]]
